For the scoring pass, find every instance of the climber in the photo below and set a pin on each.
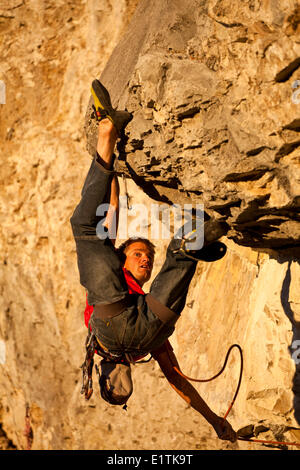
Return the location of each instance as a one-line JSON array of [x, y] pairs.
[[124, 323]]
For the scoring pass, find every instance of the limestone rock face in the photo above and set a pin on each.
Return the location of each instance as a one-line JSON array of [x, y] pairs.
[[210, 85], [216, 117]]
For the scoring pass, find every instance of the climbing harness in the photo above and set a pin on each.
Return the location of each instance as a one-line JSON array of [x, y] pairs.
[[235, 395], [87, 367]]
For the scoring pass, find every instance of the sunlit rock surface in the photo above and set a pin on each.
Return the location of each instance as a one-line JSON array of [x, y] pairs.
[[216, 120]]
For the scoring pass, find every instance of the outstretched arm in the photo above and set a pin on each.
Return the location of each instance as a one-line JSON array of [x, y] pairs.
[[167, 361]]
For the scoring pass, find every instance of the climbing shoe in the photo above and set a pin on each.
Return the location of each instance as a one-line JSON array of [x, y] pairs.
[[213, 252], [103, 108], [201, 243], [213, 230]]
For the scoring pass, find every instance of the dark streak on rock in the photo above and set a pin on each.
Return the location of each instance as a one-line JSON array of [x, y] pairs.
[[253, 152], [251, 175], [286, 149], [147, 186], [188, 113], [288, 71], [293, 126]]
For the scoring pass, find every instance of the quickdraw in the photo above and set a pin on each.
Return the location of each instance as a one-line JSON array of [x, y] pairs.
[[87, 367]]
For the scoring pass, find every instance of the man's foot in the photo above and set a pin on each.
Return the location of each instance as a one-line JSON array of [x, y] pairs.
[[103, 108], [206, 237], [203, 233], [213, 252]]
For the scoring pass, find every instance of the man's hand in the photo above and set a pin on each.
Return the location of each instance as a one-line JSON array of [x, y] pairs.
[[224, 429]]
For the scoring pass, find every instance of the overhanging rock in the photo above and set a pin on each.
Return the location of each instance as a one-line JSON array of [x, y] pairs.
[[216, 120]]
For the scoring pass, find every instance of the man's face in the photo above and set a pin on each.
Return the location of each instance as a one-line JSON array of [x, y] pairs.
[[139, 261]]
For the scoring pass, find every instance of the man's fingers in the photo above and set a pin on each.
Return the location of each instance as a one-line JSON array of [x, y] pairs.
[[225, 431], [228, 432]]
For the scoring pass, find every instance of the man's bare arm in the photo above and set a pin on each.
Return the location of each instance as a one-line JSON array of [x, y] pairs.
[[107, 137], [167, 361]]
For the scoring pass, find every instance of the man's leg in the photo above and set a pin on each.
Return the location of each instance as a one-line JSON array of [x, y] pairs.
[[171, 284], [94, 193], [107, 137], [99, 266]]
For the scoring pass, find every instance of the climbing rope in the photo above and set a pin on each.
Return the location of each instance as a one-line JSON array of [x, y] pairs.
[[219, 373], [261, 441], [235, 395]]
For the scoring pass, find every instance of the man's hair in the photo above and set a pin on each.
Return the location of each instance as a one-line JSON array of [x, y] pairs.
[[122, 248]]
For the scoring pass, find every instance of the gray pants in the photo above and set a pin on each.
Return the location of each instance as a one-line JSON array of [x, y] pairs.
[[137, 330]]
